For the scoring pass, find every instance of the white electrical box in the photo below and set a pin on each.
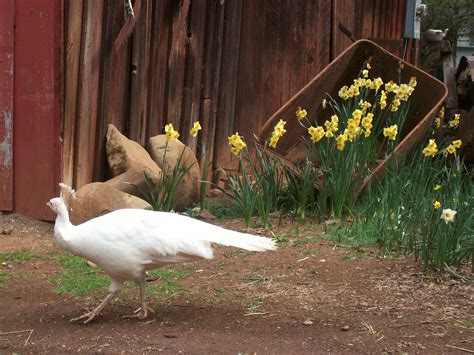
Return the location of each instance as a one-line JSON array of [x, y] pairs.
[[415, 11]]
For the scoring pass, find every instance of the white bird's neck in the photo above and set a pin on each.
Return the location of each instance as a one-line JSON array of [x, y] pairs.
[[63, 228]]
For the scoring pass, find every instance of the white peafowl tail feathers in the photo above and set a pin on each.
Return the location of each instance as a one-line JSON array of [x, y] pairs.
[[235, 239]]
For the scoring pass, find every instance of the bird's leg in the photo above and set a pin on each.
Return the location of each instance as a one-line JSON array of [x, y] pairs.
[[143, 312], [113, 290]]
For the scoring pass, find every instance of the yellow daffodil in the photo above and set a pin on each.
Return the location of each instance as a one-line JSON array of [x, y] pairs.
[[236, 143], [357, 115], [391, 132], [353, 91], [404, 92], [365, 73], [412, 82], [316, 133], [457, 143], [301, 113], [341, 141], [395, 105], [448, 215], [441, 112], [278, 131], [437, 122], [367, 124], [455, 121], [343, 92], [359, 83], [391, 87], [437, 187], [368, 66], [171, 134], [332, 126], [195, 129], [364, 105], [353, 127], [450, 149], [376, 84], [436, 204], [383, 100], [431, 149]]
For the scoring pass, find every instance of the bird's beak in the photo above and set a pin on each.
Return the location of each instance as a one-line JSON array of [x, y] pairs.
[[48, 204]]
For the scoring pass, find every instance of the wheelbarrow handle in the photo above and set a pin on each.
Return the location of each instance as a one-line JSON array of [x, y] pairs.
[[347, 32]]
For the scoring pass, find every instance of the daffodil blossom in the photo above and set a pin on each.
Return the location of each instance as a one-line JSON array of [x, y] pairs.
[[195, 129], [236, 143], [171, 134], [448, 215]]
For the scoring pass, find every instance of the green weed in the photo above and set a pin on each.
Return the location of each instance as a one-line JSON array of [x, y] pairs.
[[221, 209], [78, 278], [19, 256], [3, 278]]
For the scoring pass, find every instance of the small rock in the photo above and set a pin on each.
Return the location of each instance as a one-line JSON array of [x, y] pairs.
[[215, 193], [331, 221], [308, 322], [7, 230], [4, 344], [205, 214], [322, 261], [91, 264], [345, 328]]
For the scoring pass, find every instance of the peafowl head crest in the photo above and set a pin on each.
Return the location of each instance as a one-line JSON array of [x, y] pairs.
[[66, 194]]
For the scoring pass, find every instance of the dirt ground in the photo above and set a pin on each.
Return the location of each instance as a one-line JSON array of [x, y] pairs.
[[310, 296]]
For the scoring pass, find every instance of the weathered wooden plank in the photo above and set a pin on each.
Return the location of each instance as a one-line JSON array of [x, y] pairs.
[[162, 15], [367, 22], [73, 50], [88, 93], [272, 59], [317, 42], [7, 16], [115, 84], [139, 74], [37, 98], [176, 62], [294, 52], [228, 81], [193, 71], [343, 13], [208, 128], [249, 92], [214, 65]]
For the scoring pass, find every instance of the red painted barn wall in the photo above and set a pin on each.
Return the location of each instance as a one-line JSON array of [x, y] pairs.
[[37, 158], [6, 104]]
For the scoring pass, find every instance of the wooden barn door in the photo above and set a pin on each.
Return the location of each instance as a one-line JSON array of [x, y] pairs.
[[36, 101], [7, 14]]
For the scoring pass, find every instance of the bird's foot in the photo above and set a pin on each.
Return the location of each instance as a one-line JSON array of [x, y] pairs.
[[87, 316], [140, 313]]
